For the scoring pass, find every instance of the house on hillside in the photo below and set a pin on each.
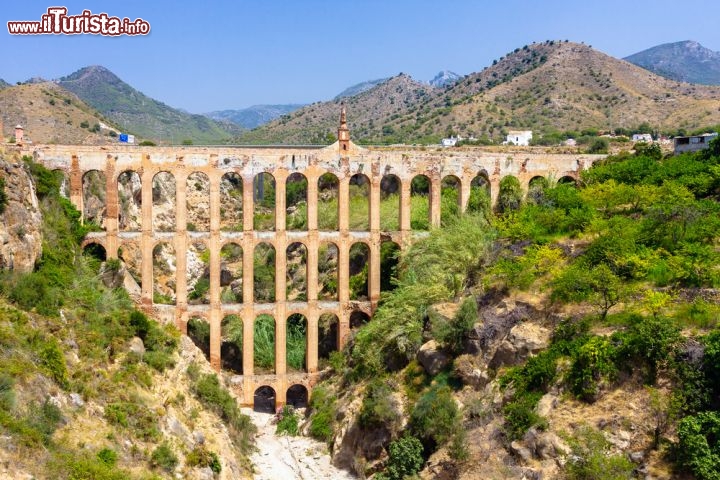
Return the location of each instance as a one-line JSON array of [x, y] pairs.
[[642, 137], [693, 143], [450, 142], [518, 137]]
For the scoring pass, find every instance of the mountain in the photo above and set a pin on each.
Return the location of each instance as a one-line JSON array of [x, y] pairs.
[[3, 84], [359, 88], [252, 117], [51, 114], [445, 77], [318, 122], [686, 61], [546, 87], [137, 113]]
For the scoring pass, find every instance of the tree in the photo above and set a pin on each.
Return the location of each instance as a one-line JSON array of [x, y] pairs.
[[510, 194]]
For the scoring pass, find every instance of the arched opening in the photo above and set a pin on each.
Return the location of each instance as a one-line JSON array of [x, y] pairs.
[[327, 202], [197, 261], [95, 251], [510, 195], [264, 273], [164, 274], [359, 259], [264, 198], [297, 396], [296, 343], [231, 202], [567, 180], [327, 338], [231, 348], [129, 187], [64, 182], [131, 256], [359, 203], [327, 271], [197, 195], [264, 344], [199, 332], [390, 203], [163, 196], [389, 258], [296, 272], [449, 199], [536, 189], [479, 201], [94, 194], [264, 400], [358, 318], [296, 202], [231, 273], [420, 203]]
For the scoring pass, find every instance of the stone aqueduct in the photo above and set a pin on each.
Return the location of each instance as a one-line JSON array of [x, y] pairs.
[[344, 160]]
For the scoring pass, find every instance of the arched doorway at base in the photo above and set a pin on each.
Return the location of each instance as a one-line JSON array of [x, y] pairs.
[[264, 400], [297, 396]]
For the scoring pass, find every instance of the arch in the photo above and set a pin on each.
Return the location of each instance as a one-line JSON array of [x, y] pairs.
[[480, 194], [264, 344], [358, 318], [264, 273], [567, 180], [328, 340], [199, 332], [420, 187], [164, 205], [231, 202], [297, 396], [510, 194], [264, 200], [536, 189], [64, 181], [327, 202], [450, 203], [231, 348], [95, 251], [131, 255], [296, 343], [264, 400], [164, 274], [197, 275], [390, 187], [296, 187], [94, 188], [129, 185], [359, 203], [327, 271], [389, 258], [231, 273], [359, 259], [197, 202], [296, 272]]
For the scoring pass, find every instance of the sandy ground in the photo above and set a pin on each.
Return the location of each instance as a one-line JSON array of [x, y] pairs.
[[288, 458]]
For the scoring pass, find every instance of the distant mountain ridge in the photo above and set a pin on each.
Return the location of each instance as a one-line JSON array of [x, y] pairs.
[[443, 78], [254, 116], [360, 88], [137, 113], [685, 61]]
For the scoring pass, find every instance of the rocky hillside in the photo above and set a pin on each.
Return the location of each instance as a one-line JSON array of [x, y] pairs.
[[546, 87], [141, 115], [686, 61], [51, 114], [252, 117], [359, 88], [444, 78]]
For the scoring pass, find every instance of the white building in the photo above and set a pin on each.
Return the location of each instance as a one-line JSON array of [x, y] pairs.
[[450, 142], [642, 137], [518, 137]]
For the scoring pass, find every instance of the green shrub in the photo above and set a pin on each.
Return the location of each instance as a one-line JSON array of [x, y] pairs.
[[592, 364], [288, 422], [520, 415], [84, 467], [379, 407], [699, 440], [53, 360], [201, 457], [3, 195], [7, 394], [510, 195], [451, 335], [435, 417], [108, 456], [135, 416], [590, 459], [322, 403], [405, 459], [163, 457]]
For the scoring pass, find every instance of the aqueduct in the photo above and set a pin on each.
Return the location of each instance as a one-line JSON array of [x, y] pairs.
[[247, 174]]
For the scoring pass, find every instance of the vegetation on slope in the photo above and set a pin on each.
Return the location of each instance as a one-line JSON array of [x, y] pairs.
[[631, 255]]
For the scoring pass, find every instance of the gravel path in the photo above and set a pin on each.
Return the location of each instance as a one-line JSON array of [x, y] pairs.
[[289, 458]]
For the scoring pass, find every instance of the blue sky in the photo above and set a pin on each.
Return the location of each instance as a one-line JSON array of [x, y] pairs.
[[218, 54]]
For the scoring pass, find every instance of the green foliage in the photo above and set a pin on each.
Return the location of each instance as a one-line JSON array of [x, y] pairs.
[[202, 457], [135, 416], [435, 418], [451, 334], [85, 467], [323, 404], [379, 407], [7, 394], [591, 460], [163, 457], [597, 285], [510, 195], [53, 360], [3, 196], [405, 459], [108, 456], [264, 342], [520, 415], [699, 438], [593, 364], [288, 423], [599, 145]]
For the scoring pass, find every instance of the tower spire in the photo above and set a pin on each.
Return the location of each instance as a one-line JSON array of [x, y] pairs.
[[343, 130]]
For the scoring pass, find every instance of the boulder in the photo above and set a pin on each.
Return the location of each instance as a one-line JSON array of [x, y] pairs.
[[137, 346], [432, 358], [524, 339]]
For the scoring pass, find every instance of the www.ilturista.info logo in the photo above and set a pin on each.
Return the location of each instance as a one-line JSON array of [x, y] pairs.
[[57, 21]]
